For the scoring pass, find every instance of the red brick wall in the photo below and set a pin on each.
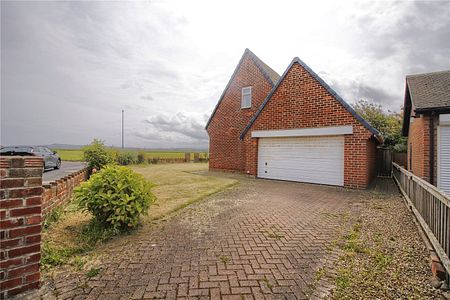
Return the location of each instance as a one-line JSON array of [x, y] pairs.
[[20, 230], [419, 138], [227, 151], [301, 102], [59, 192]]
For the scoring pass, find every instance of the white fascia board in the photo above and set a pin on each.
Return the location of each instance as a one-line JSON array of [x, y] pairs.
[[444, 119], [332, 130]]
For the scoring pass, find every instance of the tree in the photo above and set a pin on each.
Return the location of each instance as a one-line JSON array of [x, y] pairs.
[[389, 124]]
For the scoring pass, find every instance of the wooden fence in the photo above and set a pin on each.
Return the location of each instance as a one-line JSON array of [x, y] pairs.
[[400, 159], [431, 208], [385, 158], [384, 162]]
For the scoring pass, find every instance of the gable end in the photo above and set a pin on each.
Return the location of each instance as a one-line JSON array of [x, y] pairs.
[[375, 132], [268, 73]]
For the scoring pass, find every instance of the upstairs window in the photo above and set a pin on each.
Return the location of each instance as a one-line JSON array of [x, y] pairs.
[[246, 101]]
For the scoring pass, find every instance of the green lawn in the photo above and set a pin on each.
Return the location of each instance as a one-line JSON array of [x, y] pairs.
[[178, 186], [77, 155], [65, 241]]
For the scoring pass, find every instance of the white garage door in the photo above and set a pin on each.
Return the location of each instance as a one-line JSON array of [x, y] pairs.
[[304, 159], [444, 159]]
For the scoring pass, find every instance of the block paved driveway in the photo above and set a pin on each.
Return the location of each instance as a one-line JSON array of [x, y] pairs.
[[258, 240]]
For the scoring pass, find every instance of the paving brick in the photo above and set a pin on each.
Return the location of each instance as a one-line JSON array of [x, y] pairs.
[[186, 261]]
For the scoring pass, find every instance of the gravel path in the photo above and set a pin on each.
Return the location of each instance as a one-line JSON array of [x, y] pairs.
[[384, 256]]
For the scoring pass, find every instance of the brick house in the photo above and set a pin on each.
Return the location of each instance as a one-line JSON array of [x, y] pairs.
[[291, 127], [426, 123]]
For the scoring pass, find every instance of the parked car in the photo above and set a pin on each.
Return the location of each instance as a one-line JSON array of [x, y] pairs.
[[51, 158]]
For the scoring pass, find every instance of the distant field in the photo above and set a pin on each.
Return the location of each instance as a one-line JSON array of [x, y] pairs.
[[77, 155], [72, 155]]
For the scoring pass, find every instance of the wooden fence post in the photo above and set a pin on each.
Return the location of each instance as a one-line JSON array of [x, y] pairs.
[[187, 157]]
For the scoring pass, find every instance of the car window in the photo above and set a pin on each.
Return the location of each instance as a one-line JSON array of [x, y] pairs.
[[15, 149], [47, 150], [6, 149], [42, 150]]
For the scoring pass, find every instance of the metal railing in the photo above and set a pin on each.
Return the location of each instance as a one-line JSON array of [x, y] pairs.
[[431, 208]]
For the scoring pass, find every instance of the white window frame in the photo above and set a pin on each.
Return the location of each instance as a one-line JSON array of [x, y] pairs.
[[246, 91]]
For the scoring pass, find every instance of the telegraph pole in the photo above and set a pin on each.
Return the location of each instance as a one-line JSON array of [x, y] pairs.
[[122, 131]]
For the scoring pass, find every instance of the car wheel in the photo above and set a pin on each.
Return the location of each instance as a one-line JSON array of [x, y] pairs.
[[58, 164]]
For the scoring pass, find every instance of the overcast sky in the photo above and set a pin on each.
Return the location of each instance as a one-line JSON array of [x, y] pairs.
[[69, 68]]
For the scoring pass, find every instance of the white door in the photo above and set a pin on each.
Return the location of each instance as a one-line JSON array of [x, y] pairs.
[[444, 159], [304, 159]]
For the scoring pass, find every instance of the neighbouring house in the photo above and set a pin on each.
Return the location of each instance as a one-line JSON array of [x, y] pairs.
[[291, 127], [426, 123]]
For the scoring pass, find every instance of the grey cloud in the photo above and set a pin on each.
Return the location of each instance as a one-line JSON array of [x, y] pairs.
[[147, 97], [355, 90], [158, 70], [125, 85], [63, 62], [180, 124], [419, 33], [70, 67]]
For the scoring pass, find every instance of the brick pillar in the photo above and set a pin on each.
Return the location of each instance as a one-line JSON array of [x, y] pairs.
[[187, 157], [196, 157], [20, 219]]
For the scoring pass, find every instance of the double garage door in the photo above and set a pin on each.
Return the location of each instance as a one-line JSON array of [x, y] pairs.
[[444, 158], [304, 159]]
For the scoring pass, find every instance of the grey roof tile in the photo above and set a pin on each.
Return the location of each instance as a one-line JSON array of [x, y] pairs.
[[268, 72], [430, 90]]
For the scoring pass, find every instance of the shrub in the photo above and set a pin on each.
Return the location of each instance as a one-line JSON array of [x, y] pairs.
[[96, 155], [153, 160], [141, 157], [126, 158], [116, 196]]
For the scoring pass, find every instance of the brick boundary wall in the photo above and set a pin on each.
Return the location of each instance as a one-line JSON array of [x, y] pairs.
[[20, 219], [59, 192]]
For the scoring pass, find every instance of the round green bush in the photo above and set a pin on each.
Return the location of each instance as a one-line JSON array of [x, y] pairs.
[[96, 155], [116, 196], [126, 158]]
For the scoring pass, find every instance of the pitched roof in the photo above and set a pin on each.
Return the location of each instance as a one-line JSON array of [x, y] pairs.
[[326, 86], [268, 73], [430, 90]]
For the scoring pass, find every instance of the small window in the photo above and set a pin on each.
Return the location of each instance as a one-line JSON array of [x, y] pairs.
[[246, 101]]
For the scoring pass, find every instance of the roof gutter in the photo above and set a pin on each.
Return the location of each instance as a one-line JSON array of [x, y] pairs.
[[438, 110]]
